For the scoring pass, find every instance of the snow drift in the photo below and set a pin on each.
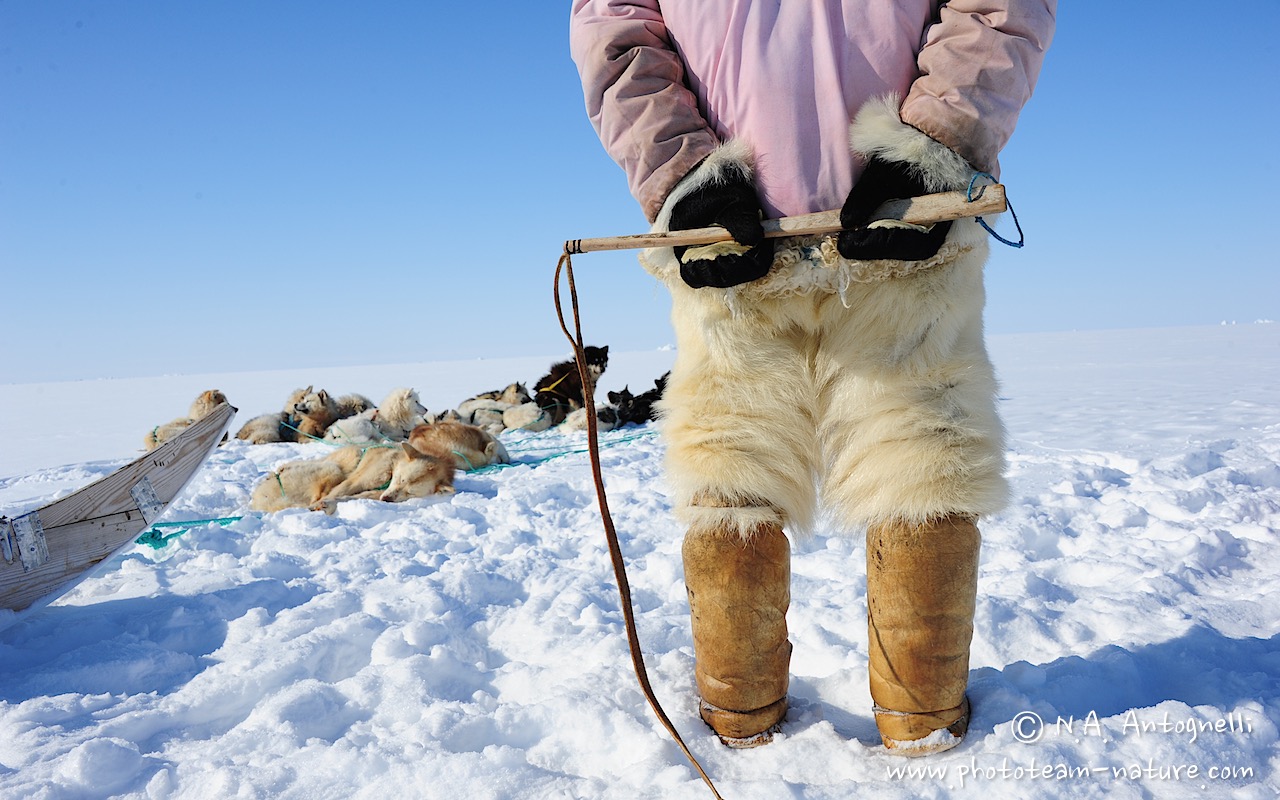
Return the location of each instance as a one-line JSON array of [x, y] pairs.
[[472, 646]]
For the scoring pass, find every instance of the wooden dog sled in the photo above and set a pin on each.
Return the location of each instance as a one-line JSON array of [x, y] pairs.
[[44, 553]]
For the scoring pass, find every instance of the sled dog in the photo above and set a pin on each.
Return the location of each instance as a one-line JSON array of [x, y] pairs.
[[391, 473], [349, 405], [274, 427], [638, 409], [468, 446], [514, 394], [200, 408], [399, 413], [360, 428], [314, 413], [560, 391]]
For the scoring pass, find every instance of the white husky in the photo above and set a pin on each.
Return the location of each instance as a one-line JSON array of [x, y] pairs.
[[399, 413]]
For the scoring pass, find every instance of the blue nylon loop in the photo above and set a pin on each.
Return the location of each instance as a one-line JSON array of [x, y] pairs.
[[973, 183]]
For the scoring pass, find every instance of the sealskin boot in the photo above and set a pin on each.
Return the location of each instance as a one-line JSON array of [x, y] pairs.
[[922, 583], [739, 590]]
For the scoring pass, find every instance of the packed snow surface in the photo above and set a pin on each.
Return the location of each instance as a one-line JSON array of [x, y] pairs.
[[472, 646]]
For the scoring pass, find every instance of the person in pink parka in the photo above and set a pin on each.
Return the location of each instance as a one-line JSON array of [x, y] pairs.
[[844, 372]]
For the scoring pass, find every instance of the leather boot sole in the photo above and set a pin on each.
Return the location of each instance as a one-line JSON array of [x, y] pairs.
[[922, 734], [744, 729]]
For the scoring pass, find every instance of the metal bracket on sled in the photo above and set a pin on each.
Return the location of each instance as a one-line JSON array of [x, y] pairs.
[[145, 496], [6, 540], [24, 537]]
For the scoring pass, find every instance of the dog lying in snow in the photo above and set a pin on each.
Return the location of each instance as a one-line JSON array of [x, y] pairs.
[[526, 416], [637, 409], [200, 408], [349, 405], [495, 416], [514, 395], [487, 409], [560, 391], [278, 426], [391, 473], [392, 421], [314, 413], [468, 446], [268, 429], [606, 420], [309, 414], [399, 413], [361, 428], [625, 409], [559, 394], [483, 413]]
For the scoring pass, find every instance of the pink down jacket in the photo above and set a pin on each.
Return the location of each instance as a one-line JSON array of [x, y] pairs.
[[666, 82]]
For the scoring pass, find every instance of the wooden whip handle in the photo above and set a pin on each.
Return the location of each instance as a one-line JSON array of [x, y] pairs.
[[924, 210]]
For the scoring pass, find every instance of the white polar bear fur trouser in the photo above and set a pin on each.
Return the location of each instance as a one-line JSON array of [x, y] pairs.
[[877, 401]]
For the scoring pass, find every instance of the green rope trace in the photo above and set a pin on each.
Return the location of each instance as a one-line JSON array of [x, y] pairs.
[[470, 467], [342, 438], [385, 440], [517, 448], [327, 442], [302, 433], [153, 538], [556, 452]]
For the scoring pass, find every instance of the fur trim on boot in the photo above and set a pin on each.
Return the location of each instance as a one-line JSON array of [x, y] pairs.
[[739, 590], [921, 593]]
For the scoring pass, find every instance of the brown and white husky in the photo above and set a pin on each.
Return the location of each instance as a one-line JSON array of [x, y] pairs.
[[391, 473]]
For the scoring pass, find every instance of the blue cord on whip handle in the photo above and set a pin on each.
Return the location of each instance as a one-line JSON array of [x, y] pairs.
[[1022, 238]]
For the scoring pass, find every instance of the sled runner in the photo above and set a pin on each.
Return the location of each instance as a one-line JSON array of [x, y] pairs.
[[45, 552]]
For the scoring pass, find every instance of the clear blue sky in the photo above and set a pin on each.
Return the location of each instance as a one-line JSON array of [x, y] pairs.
[[204, 187]]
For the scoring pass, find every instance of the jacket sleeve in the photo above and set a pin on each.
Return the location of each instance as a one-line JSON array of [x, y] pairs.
[[978, 67], [634, 86]]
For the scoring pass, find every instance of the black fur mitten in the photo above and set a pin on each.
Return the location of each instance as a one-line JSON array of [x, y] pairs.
[[886, 180], [731, 202]]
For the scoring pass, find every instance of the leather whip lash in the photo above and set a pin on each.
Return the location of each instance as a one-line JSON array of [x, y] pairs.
[[925, 210], [611, 533]]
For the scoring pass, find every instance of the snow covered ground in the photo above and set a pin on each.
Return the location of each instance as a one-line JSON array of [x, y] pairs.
[[1126, 645]]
